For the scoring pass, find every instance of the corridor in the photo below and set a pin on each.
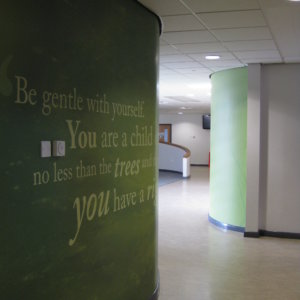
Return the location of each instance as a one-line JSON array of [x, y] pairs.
[[198, 261]]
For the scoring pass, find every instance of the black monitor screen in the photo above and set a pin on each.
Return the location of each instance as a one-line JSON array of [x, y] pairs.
[[206, 121]]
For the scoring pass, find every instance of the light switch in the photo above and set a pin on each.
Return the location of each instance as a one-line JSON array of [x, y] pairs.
[[59, 148], [45, 149]]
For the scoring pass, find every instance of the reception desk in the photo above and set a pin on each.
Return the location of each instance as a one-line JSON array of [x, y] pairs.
[[174, 158]]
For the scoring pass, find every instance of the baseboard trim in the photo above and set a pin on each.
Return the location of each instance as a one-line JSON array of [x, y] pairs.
[[278, 234], [251, 234], [156, 292], [171, 171], [225, 226]]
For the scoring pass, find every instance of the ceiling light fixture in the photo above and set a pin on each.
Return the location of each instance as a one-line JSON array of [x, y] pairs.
[[180, 113], [212, 57]]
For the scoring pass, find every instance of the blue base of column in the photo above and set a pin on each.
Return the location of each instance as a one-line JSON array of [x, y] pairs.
[[225, 226]]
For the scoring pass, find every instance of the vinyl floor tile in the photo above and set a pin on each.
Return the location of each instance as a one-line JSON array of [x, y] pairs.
[[198, 261]]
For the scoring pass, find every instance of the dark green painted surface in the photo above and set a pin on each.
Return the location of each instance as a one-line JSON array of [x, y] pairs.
[[229, 146], [89, 48]]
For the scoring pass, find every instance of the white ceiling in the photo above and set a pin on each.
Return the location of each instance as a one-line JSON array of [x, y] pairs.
[[240, 31]]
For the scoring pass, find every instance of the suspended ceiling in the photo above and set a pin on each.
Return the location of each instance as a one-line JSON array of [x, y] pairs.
[[239, 31]]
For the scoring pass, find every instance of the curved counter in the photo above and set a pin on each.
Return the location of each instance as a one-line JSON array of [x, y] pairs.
[[175, 158]]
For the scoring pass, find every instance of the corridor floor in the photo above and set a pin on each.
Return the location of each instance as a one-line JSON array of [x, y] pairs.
[[198, 261]]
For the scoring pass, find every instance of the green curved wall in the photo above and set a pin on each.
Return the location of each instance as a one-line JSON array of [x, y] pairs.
[[228, 147], [80, 226]]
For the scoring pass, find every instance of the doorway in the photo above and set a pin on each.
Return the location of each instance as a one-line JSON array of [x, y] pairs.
[[165, 133]]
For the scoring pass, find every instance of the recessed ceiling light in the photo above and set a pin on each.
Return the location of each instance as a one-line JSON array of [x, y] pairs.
[[212, 57], [180, 113]]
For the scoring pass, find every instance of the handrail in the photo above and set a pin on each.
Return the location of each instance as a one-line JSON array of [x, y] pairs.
[[187, 151]]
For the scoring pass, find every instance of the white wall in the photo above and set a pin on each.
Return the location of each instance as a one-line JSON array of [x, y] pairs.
[[281, 91], [187, 131]]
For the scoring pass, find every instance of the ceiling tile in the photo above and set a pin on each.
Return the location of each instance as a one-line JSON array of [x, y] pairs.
[[188, 37], [237, 19], [165, 7], [197, 70], [243, 34], [165, 78], [162, 41], [292, 59], [201, 47], [200, 77], [181, 23], [266, 54], [162, 67], [164, 73], [284, 22], [217, 69], [174, 58], [221, 5], [251, 45], [181, 65], [163, 50], [260, 60]]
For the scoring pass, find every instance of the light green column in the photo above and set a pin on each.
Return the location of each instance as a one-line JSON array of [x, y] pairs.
[[228, 147]]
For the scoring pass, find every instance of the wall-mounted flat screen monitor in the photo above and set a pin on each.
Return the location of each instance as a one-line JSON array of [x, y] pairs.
[[206, 121]]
